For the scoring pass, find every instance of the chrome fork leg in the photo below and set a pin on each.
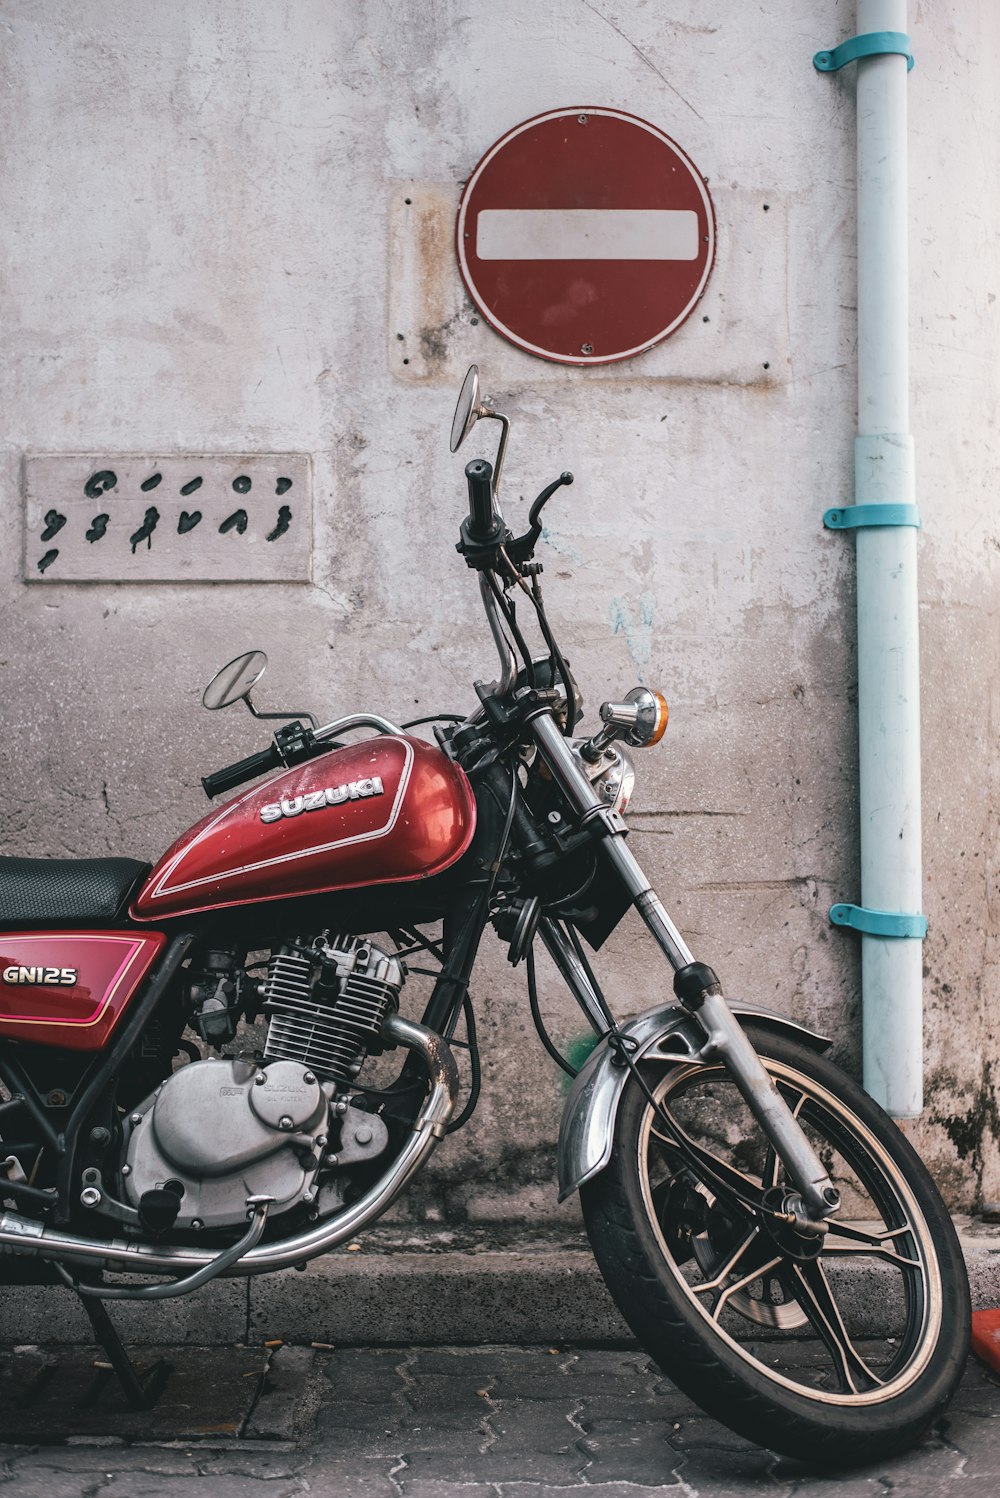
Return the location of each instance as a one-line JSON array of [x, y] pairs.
[[727, 1040], [701, 993]]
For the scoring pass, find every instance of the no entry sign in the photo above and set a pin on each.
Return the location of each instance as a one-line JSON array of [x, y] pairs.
[[585, 235]]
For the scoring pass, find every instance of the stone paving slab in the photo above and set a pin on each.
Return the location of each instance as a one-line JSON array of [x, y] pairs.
[[493, 1422], [48, 1397]]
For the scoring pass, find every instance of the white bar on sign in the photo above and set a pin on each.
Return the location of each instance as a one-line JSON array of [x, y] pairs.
[[587, 234]]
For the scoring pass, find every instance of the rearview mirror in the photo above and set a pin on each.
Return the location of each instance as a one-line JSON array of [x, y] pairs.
[[235, 682], [468, 410]]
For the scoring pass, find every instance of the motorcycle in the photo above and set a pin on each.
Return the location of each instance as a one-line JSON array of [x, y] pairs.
[[746, 1202]]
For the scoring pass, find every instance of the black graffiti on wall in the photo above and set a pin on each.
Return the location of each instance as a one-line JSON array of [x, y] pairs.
[[145, 531], [102, 527]]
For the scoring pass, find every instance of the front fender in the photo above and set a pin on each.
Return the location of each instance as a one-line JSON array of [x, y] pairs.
[[667, 1033]]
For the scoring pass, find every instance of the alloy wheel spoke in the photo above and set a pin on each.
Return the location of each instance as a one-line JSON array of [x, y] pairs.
[[749, 1259], [870, 1245], [741, 1284], [728, 1266], [813, 1293]]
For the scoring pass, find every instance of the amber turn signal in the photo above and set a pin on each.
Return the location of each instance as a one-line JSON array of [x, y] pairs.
[[640, 720], [662, 717]]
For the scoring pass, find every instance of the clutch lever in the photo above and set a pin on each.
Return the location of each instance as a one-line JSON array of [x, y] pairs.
[[521, 549]]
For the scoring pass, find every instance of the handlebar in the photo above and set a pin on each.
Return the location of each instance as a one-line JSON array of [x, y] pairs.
[[241, 771], [484, 531], [484, 540], [292, 745], [483, 523]]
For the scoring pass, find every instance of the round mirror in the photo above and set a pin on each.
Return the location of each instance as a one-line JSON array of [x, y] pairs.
[[468, 409], [235, 681]]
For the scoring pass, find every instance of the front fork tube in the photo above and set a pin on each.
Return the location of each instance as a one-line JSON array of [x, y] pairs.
[[724, 1036]]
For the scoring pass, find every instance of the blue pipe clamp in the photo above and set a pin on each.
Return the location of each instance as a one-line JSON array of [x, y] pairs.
[[879, 922], [872, 44], [854, 517]]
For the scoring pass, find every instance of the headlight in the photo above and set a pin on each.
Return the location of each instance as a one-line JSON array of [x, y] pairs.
[[614, 779]]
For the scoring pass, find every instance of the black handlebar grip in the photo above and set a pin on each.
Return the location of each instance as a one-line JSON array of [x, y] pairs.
[[483, 522], [243, 770]]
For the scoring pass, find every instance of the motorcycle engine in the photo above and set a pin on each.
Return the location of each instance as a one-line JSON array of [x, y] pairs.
[[220, 1130], [327, 1003]]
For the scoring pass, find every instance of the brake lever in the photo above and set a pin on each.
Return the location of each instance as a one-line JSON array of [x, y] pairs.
[[521, 549]]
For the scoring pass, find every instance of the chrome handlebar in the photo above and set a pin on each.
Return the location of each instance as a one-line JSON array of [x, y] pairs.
[[356, 720], [508, 661]]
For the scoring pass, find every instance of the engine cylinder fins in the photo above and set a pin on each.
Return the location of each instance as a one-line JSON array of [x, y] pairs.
[[288, 976], [327, 1012]]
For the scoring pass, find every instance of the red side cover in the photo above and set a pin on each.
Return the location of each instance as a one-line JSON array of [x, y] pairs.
[[383, 811], [70, 988]]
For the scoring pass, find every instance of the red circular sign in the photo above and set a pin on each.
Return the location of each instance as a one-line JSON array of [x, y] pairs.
[[585, 235]]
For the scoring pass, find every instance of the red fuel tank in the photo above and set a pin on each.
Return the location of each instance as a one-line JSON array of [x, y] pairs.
[[70, 988], [382, 811]]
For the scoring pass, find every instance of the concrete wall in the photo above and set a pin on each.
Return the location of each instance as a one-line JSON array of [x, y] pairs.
[[228, 230]]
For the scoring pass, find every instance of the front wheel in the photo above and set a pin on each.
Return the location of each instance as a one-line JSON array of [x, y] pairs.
[[839, 1350]]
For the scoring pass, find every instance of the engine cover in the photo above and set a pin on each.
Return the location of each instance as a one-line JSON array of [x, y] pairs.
[[225, 1130]]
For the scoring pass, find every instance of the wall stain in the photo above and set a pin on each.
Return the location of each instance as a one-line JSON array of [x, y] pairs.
[[431, 218], [968, 1130], [434, 342], [638, 635]]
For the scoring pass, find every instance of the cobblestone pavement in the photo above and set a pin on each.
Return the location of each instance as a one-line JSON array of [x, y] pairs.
[[492, 1422]]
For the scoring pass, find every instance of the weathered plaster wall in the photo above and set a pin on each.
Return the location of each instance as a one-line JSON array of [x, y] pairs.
[[228, 228]]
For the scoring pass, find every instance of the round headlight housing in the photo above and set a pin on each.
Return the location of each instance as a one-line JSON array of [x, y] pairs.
[[613, 779]]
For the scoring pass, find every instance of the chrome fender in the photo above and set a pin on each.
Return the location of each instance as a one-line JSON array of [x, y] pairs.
[[667, 1033]]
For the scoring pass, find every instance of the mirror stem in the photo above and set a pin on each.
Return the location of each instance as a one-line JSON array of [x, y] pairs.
[[310, 717], [502, 449]]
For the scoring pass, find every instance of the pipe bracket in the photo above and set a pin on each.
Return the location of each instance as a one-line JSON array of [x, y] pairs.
[[855, 517], [871, 44], [879, 922]]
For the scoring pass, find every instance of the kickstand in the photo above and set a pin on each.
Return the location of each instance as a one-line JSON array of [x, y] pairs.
[[140, 1393]]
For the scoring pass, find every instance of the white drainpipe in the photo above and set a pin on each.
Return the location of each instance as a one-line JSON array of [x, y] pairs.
[[888, 644]]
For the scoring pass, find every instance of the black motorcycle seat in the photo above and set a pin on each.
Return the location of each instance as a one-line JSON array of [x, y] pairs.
[[42, 891]]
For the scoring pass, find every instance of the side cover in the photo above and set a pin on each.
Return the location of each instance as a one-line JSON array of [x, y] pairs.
[[70, 988], [382, 811]]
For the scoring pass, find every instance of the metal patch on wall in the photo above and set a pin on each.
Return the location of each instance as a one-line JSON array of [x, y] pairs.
[[178, 519]]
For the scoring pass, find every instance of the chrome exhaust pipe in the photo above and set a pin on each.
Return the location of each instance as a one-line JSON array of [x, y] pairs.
[[23, 1235]]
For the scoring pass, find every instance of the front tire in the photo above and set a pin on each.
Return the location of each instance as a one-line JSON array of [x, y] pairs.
[[844, 1368]]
